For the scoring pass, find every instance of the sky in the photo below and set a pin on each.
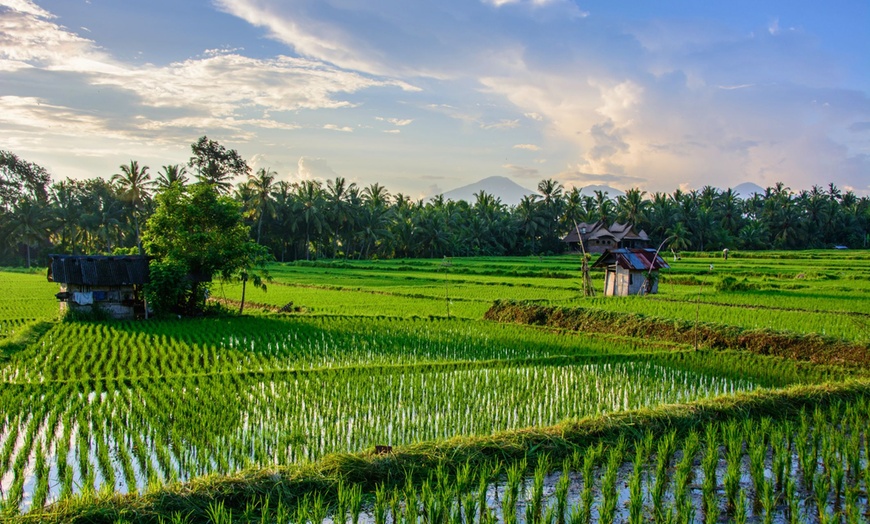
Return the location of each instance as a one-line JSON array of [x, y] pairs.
[[423, 97]]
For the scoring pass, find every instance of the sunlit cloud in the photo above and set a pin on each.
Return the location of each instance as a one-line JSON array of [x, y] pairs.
[[522, 172], [333, 127]]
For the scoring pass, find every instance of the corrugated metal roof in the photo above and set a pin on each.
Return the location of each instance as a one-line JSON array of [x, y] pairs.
[[94, 270]]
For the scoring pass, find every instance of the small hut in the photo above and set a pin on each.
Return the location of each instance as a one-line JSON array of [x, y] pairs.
[[112, 284], [598, 238], [630, 271]]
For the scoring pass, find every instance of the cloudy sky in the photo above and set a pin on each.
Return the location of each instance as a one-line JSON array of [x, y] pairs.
[[425, 96]]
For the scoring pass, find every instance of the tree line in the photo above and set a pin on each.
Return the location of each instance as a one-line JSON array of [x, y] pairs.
[[312, 219]]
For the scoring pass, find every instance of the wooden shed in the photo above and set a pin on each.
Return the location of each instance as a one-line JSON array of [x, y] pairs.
[[630, 271], [111, 283]]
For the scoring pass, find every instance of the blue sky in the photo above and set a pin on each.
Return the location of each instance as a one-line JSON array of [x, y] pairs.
[[423, 97]]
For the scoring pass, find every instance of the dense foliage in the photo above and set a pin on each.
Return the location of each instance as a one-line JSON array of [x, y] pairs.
[[338, 219], [195, 235]]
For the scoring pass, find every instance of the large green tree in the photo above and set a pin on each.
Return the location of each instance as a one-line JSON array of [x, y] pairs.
[[196, 234], [216, 165]]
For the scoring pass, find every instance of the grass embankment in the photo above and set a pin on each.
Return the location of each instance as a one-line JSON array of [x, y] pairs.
[[813, 347], [290, 484]]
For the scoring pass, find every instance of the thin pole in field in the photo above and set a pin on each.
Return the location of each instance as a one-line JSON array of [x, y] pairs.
[[446, 264], [588, 289]]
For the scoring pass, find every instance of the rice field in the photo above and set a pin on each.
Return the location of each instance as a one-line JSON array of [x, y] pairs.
[[395, 353]]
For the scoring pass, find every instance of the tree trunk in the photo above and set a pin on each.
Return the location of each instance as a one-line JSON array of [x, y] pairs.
[[138, 236], [191, 302], [244, 285]]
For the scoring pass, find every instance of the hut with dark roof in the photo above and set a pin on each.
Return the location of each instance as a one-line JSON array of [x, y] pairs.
[[598, 238], [112, 284], [630, 271]]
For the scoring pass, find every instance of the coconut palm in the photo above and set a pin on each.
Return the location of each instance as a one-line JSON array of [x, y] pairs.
[[135, 185], [340, 214], [261, 185], [632, 207], [28, 224], [172, 174], [309, 196]]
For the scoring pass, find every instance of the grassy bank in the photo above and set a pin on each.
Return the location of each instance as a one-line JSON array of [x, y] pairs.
[[805, 347]]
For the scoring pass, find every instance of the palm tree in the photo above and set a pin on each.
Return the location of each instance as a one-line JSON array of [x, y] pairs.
[[309, 195], [135, 184], [28, 225], [172, 174], [66, 212], [631, 208], [340, 212], [260, 185], [285, 211], [530, 219], [376, 195], [680, 237], [603, 208]]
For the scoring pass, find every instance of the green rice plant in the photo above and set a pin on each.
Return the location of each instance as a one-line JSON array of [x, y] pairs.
[[282, 512], [218, 514], [379, 512], [709, 463], [265, 514], [583, 511], [560, 507], [354, 503], [684, 474], [838, 475], [635, 486], [793, 512], [535, 506], [664, 450], [342, 502], [487, 473], [757, 453], [468, 504], [768, 500], [821, 489], [515, 478], [303, 509], [433, 510], [607, 512], [739, 515], [318, 509]]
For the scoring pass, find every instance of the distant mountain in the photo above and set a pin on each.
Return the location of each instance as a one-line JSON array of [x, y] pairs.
[[746, 189], [612, 192], [504, 188]]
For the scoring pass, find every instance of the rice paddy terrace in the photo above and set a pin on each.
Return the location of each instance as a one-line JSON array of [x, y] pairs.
[[461, 390]]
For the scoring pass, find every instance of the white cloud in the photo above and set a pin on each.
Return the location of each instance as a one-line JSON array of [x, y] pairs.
[[216, 91], [309, 168], [528, 147], [501, 124], [523, 172], [26, 7], [773, 27], [333, 127]]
